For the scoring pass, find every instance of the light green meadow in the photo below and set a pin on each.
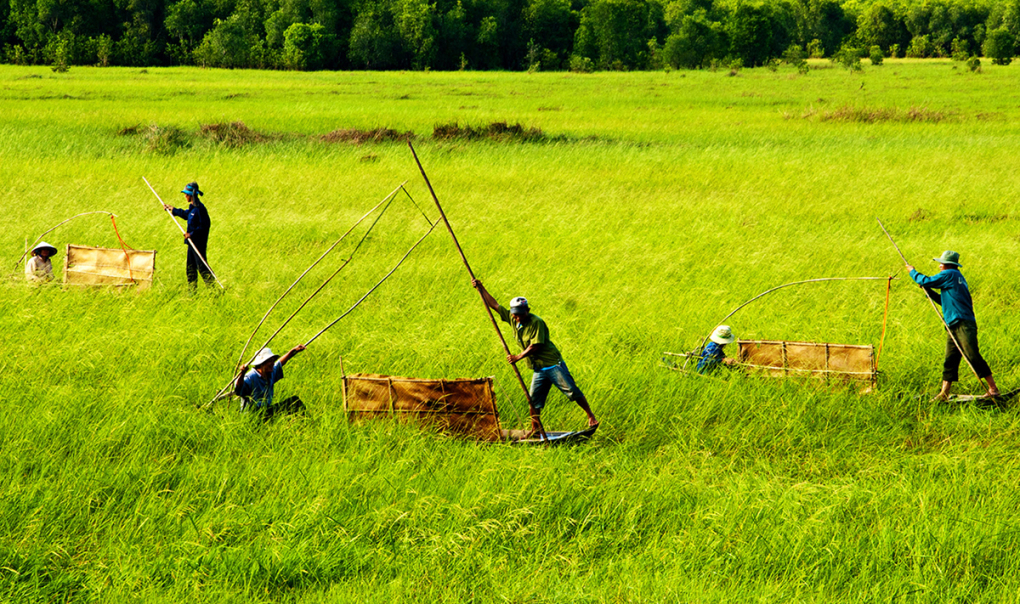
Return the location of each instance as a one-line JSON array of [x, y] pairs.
[[661, 202]]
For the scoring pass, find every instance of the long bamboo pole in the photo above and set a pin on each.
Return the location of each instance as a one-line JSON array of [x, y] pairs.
[[240, 357], [936, 309], [183, 232], [337, 320], [54, 228], [517, 372], [226, 390], [373, 288]]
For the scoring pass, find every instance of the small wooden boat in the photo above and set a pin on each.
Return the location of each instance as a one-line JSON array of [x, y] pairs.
[[517, 437], [984, 400]]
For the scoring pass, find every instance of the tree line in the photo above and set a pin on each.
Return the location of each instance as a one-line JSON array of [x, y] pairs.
[[579, 35]]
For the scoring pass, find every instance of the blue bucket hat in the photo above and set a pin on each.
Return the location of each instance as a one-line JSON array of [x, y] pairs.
[[192, 189]]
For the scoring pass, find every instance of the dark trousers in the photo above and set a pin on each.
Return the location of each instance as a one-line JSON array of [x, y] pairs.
[[195, 266], [285, 407], [966, 335]]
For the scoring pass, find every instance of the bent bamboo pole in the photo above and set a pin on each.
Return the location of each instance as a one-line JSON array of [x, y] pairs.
[[240, 357], [935, 308], [769, 291], [517, 372], [54, 228], [233, 379], [183, 232], [374, 287], [226, 390]]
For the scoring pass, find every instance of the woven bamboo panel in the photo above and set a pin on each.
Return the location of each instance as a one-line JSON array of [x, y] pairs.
[[97, 266], [460, 406], [805, 359]]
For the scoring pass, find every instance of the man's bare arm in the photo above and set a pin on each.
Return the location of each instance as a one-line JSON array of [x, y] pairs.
[[489, 300], [290, 354]]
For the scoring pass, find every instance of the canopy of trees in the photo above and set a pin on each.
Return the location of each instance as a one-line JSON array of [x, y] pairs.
[[497, 34]]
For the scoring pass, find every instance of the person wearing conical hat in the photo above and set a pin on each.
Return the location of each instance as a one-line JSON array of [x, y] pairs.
[[542, 356], [198, 232], [713, 354], [39, 269], [958, 312], [256, 387]]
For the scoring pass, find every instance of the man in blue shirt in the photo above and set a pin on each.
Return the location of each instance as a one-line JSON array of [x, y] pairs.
[[958, 312], [256, 387], [712, 356], [198, 232]]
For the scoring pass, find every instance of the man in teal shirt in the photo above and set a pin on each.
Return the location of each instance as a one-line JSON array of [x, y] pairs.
[[543, 357], [958, 312]]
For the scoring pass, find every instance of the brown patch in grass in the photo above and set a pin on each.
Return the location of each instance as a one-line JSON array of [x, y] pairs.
[[130, 130], [976, 218], [368, 159], [496, 131], [165, 140], [866, 115], [353, 135], [231, 134], [920, 215]]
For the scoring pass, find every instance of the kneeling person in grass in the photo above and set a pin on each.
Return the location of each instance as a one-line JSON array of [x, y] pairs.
[[39, 269], [713, 355], [255, 387], [958, 312], [542, 355]]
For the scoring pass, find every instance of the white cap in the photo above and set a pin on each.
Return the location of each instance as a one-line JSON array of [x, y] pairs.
[[519, 305], [264, 355], [723, 335]]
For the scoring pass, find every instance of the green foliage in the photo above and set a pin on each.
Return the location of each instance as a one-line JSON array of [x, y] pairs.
[[60, 51], [695, 41], [308, 47], [413, 21], [849, 57], [795, 56], [960, 50], [226, 45], [375, 43], [550, 24], [1000, 46], [488, 34], [613, 33], [104, 50], [581, 64], [879, 26], [974, 64], [876, 55], [920, 48], [815, 50], [757, 33]]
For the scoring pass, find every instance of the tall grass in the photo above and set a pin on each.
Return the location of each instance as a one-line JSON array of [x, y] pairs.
[[661, 202]]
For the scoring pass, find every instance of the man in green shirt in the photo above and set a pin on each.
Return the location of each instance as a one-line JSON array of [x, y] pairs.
[[542, 355]]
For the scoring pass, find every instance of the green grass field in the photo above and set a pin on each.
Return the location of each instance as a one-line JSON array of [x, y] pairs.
[[659, 202]]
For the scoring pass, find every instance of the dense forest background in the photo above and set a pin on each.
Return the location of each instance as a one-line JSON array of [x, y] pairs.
[[580, 35]]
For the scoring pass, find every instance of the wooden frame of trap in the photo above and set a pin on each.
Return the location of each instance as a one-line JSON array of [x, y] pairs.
[[779, 358], [462, 407], [97, 266]]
